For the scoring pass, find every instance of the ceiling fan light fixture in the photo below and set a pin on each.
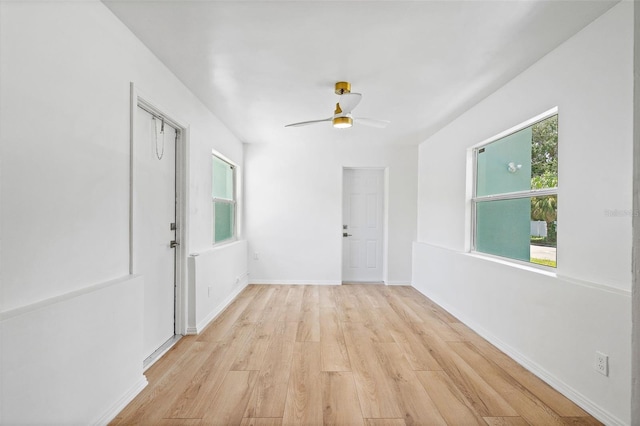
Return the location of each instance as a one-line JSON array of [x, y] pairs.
[[342, 122], [342, 118]]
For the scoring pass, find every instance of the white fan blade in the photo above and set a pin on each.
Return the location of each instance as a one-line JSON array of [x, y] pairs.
[[306, 123], [348, 101], [381, 124]]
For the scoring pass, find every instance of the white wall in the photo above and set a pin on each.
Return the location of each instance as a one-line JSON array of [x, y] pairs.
[[635, 339], [553, 324], [294, 208], [64, 97], [54, 353], [220, 273]]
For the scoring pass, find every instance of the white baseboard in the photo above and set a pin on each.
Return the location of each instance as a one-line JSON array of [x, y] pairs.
[[295, 282], [218, 310], [112, 412], [397, 282], [579, 399]]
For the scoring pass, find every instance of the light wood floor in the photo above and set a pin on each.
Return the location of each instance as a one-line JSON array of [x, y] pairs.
[[343, 355]]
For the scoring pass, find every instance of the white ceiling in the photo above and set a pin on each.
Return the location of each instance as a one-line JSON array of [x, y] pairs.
[[259, 65]]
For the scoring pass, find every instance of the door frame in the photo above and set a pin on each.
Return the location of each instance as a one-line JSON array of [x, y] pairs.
[[138, 98], [385, 220]]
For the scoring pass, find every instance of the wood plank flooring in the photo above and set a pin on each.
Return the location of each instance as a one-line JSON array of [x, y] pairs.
[[342, 355]]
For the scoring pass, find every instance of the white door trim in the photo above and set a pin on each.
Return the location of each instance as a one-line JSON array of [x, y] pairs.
[[182, 198], [385, 223]]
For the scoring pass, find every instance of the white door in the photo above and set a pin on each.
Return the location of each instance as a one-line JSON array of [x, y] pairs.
[[362, 223], [154, 214]]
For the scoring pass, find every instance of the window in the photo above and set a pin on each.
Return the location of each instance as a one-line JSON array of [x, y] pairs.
[[224, 200], [515, 199]]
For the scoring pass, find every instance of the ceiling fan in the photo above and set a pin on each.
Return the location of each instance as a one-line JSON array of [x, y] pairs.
[[342, 117]]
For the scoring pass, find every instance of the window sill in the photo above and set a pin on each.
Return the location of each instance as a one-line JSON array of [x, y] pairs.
[[219, 246], [225, 243], [538, 269]]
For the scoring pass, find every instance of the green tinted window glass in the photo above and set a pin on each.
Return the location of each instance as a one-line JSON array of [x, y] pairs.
[[503, 228], [224, 206], [505, 165], [223, 220], [522, 228], [222, 179], [516, 194]]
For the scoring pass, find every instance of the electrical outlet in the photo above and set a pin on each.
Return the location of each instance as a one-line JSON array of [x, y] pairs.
[[602, 363]]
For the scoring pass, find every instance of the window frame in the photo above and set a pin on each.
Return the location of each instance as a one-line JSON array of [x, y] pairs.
[[233, 202], [475, 199]]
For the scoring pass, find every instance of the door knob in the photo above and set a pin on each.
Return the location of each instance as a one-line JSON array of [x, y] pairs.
[[344, 234]]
